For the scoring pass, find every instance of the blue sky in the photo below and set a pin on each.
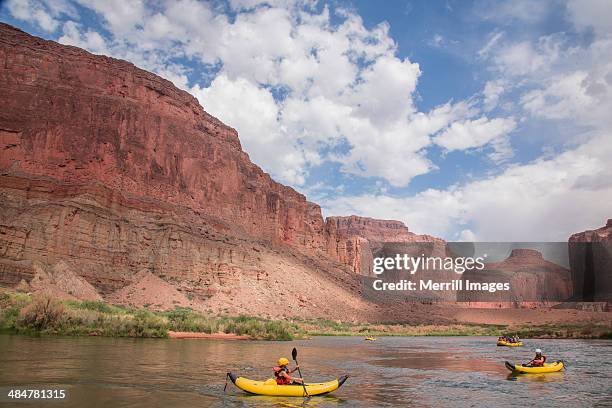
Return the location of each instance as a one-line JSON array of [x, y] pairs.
[[475, 120]]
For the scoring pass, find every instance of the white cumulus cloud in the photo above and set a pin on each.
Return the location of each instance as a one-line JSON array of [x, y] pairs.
[[470, 134], [544, 200]]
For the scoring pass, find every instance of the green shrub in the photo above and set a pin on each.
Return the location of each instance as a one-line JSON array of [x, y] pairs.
[[259, 328], [8, 299], [8, 317], [606, 335], [185, 319], [43, 314], [147, 324], [93, 305]]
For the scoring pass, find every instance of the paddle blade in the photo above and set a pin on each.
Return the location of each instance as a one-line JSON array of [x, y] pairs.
[[294, 353]]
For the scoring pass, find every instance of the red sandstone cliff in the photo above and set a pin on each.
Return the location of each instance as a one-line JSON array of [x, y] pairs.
[[591, 264], [119, 177], [79, 118]]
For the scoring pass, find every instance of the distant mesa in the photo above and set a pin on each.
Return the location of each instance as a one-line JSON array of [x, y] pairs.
[[521, 253], [532, 279]]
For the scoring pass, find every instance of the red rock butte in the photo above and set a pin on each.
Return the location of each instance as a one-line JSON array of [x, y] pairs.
[[532, 280], [525, 253]]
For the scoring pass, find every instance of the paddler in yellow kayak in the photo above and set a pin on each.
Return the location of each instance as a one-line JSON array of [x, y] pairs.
[[538, 360], [281, 373]]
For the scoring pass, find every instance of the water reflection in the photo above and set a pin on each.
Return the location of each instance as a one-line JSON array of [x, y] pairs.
[[538, 377], [289, 402]]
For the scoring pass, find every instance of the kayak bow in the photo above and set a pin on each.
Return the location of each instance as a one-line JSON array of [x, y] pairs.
[[547, 368], [269, 387]]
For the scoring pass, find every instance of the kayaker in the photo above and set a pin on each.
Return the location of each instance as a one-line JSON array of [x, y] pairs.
[[281, 373], [538, 360]]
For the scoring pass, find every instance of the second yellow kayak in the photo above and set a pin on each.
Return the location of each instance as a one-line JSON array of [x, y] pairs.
[[546, 368], [508, 344], [269, 387]]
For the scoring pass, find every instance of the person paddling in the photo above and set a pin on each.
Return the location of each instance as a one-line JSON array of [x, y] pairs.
[[282, 373], [538, 360]]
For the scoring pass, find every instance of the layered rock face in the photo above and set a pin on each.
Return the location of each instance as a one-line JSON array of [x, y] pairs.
[[532, 279], [591, 264], [79, 118], [113, 174], [355, 240], [112, 240]]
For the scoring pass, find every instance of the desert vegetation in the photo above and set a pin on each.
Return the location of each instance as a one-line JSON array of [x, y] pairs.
[[22, 313], [43, 315]]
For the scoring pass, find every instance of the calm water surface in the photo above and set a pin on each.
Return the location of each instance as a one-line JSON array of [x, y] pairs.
[[404, 371]]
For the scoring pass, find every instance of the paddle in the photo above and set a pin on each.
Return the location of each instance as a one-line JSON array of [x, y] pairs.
[[294, 355]]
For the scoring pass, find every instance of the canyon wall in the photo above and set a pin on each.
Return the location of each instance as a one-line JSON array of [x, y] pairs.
[[111, 173], [110, 239], [80, 118], [591, 264]]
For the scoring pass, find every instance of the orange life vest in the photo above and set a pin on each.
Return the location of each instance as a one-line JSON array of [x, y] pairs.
[[543, 357], [281, 379]]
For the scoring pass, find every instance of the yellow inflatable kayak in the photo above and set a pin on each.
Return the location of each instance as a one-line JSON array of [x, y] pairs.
[[370, 339], [269, 387], [508, 344], [547, 368]]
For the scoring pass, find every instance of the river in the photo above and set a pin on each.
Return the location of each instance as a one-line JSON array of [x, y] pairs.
[[393, 371]]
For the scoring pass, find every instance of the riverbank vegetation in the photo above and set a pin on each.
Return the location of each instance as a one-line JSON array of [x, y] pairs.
[[332, 328], [23, 313]]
